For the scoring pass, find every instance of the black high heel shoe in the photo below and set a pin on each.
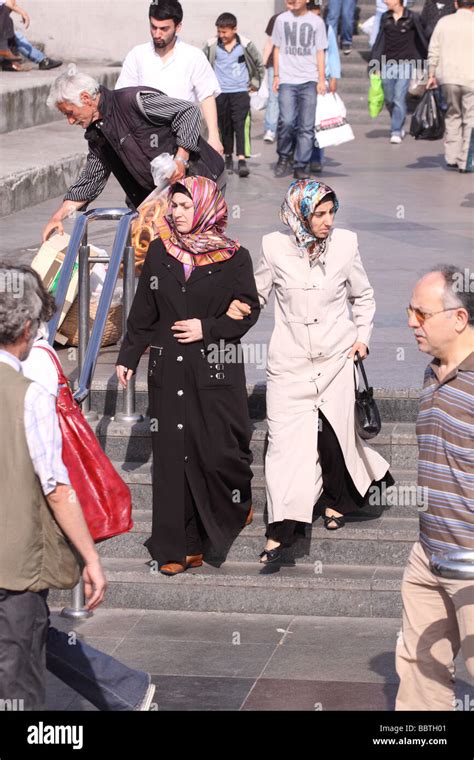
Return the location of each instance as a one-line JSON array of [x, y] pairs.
[[272, 555]]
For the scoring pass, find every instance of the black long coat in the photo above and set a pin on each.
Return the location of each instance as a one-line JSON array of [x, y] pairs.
[[198, 407]]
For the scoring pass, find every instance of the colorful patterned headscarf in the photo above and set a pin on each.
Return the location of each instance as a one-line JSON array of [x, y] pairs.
[[205, 243], [300, 202]]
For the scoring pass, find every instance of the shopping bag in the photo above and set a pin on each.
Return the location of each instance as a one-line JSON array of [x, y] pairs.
[[331, 127], [375, 96], [367, 26], [259, 99], [104, 497], [427, 122]]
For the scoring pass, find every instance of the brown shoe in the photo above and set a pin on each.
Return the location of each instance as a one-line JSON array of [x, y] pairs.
[[174, 568], [249, 517]]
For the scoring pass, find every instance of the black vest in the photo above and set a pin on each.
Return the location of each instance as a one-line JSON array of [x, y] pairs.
[[126, 142]]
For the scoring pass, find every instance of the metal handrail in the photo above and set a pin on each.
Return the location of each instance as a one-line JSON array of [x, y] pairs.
[[121, 242], [89, 347], [457, 564]]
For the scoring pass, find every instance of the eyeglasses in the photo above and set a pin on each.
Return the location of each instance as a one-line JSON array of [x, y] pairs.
[[422, 316]]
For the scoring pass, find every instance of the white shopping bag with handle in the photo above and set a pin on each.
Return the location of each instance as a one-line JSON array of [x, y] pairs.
[[331, 127], [259, 99]]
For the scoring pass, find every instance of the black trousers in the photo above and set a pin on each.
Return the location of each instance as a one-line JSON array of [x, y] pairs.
[[232, 111], [23, 633], [339, 491]]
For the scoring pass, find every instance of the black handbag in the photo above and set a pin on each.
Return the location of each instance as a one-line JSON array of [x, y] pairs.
[[366, 415]]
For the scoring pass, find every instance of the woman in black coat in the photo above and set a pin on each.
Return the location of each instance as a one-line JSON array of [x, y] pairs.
[[196, 380]]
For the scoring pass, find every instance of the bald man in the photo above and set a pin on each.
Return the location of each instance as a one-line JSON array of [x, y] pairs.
[[438, 613]]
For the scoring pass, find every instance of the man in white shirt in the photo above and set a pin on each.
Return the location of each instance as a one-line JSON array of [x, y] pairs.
[[174, 67]]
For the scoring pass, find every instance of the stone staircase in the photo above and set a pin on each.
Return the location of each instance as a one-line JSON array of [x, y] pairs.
[[352, 572]]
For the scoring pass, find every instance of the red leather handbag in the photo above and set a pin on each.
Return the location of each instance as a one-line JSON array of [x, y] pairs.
[[105, 499]]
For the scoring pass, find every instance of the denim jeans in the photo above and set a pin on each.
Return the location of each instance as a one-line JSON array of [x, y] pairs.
[[271, 111], [100, 678], [347, 9], [395, 88], [297, 103], [27, 49]]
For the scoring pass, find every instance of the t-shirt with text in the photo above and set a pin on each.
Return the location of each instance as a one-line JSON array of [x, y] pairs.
[[298, 38]]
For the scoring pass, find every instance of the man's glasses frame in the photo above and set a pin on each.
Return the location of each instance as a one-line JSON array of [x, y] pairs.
[[422, 316]]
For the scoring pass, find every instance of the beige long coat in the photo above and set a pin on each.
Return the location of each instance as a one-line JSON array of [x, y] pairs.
[[308, 368]]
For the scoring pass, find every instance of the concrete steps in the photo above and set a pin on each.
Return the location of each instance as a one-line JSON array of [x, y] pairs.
[[395, 404], [384, 541], [396, 442], [334, 590], [400, 501]]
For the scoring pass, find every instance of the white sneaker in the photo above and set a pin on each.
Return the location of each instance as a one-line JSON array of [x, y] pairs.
[[395, 139], [269, 136], [145, 704], [403, 133]]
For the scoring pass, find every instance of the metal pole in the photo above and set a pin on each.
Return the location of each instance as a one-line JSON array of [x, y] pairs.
[[77, 610], [84, 309], [128, 414]]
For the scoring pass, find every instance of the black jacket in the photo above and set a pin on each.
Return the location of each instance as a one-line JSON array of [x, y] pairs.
[[409, 20], [431, 14], [197, 394], [127, 141]]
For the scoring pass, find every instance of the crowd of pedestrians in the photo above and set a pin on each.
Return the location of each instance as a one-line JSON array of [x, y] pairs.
[[209, 297]]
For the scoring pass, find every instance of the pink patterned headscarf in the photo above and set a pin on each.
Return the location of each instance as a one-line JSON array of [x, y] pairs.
[[205, 243]]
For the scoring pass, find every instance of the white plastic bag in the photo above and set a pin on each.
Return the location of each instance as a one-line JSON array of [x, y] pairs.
[[367, 26], [331, 127], [259, 99]]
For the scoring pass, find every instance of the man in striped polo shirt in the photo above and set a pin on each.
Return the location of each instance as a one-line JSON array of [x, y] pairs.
[[438, 613]]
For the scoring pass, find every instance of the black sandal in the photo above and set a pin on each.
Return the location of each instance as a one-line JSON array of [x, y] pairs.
[[272, 555], [340, 521]]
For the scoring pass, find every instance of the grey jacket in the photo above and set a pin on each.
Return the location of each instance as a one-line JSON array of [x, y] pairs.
[[253, 59]]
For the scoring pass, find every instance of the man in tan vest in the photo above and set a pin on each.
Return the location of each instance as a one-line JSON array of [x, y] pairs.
[[38, 509]]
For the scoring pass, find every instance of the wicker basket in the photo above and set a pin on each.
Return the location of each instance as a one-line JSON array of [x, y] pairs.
[[113, 326]]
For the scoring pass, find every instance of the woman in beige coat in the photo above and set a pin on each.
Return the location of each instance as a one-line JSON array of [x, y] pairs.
[[313, 450]]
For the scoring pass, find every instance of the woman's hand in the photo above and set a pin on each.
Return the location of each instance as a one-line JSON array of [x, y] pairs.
[[188, 330], [360, 347], [333, 84], [123, 374], [238, 309]]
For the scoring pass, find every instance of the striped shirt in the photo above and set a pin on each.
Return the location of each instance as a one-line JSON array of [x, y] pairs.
[[184, 119], [445, 432], [43, 435]]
